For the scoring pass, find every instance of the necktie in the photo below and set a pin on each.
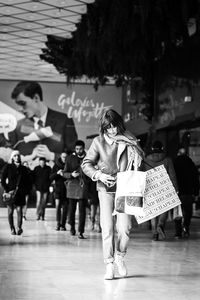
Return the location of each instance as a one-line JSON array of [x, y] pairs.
[[40, 123]]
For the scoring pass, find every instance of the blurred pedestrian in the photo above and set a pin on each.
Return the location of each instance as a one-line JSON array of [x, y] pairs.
[[41, 180], [188, 185], [76, 188], [156, 156], [93, 200], [29, 188], [60, 192], [15, 177]]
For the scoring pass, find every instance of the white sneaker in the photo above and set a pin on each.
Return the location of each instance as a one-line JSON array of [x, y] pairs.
[[109, 271], [119, 260]]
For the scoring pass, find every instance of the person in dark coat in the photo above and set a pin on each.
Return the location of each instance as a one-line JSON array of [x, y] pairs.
[[93, 200], [156, 156], [29, 188], [60, 192], [188, 184], [15, 174], [41, 179], [76, 187]]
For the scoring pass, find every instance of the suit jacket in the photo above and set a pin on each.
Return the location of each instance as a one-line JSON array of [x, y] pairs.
[[63, 139]]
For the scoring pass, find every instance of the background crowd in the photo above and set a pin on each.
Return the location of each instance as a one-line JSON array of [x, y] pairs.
[[65, 185]]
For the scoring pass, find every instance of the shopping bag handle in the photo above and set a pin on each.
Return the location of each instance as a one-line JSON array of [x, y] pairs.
[[135, 163]]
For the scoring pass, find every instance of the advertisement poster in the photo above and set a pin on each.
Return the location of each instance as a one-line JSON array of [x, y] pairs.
[[79, 102]]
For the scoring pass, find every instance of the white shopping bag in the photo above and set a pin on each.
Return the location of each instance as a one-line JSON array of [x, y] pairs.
[[130, 189]]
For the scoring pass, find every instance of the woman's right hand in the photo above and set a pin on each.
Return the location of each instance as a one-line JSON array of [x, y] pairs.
[[107, 179]]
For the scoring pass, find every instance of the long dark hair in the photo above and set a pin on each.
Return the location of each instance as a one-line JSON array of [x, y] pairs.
[[111, 117]]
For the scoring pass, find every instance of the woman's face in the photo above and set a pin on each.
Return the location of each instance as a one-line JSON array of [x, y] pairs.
[[112, 131]]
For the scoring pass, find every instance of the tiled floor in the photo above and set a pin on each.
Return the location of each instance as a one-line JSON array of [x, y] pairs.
[[44, 264]]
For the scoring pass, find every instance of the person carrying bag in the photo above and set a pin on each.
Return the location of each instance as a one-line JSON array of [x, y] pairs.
[[110, 153], [9, 197], [15, 182]]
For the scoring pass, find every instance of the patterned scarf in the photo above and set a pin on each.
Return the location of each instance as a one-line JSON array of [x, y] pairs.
[[134, 151]]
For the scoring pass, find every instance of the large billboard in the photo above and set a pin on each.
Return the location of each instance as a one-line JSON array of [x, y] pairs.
[[80, 102]]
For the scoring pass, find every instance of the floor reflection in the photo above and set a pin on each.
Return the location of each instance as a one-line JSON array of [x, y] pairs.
[[45, 264]]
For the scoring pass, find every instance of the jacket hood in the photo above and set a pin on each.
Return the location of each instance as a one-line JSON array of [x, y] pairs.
[[155, 157]]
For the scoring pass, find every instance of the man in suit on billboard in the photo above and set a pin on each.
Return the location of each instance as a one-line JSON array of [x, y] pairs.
[[43, 132]]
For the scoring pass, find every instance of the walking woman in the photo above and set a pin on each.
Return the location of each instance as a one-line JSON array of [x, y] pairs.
[[15, 175], [29, 188], [111, 152], [60, 193]]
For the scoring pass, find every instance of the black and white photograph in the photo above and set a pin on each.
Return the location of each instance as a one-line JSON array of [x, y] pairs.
[[99, 150]]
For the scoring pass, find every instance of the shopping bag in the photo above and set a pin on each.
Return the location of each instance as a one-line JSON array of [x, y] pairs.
[[159, 195], [130, 189], [130, 192]]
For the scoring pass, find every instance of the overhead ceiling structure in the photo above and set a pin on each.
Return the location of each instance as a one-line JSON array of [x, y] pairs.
[[24, 27]]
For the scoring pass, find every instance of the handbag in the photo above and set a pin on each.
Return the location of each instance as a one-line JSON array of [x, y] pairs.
[[75, 189], [9, 197]]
